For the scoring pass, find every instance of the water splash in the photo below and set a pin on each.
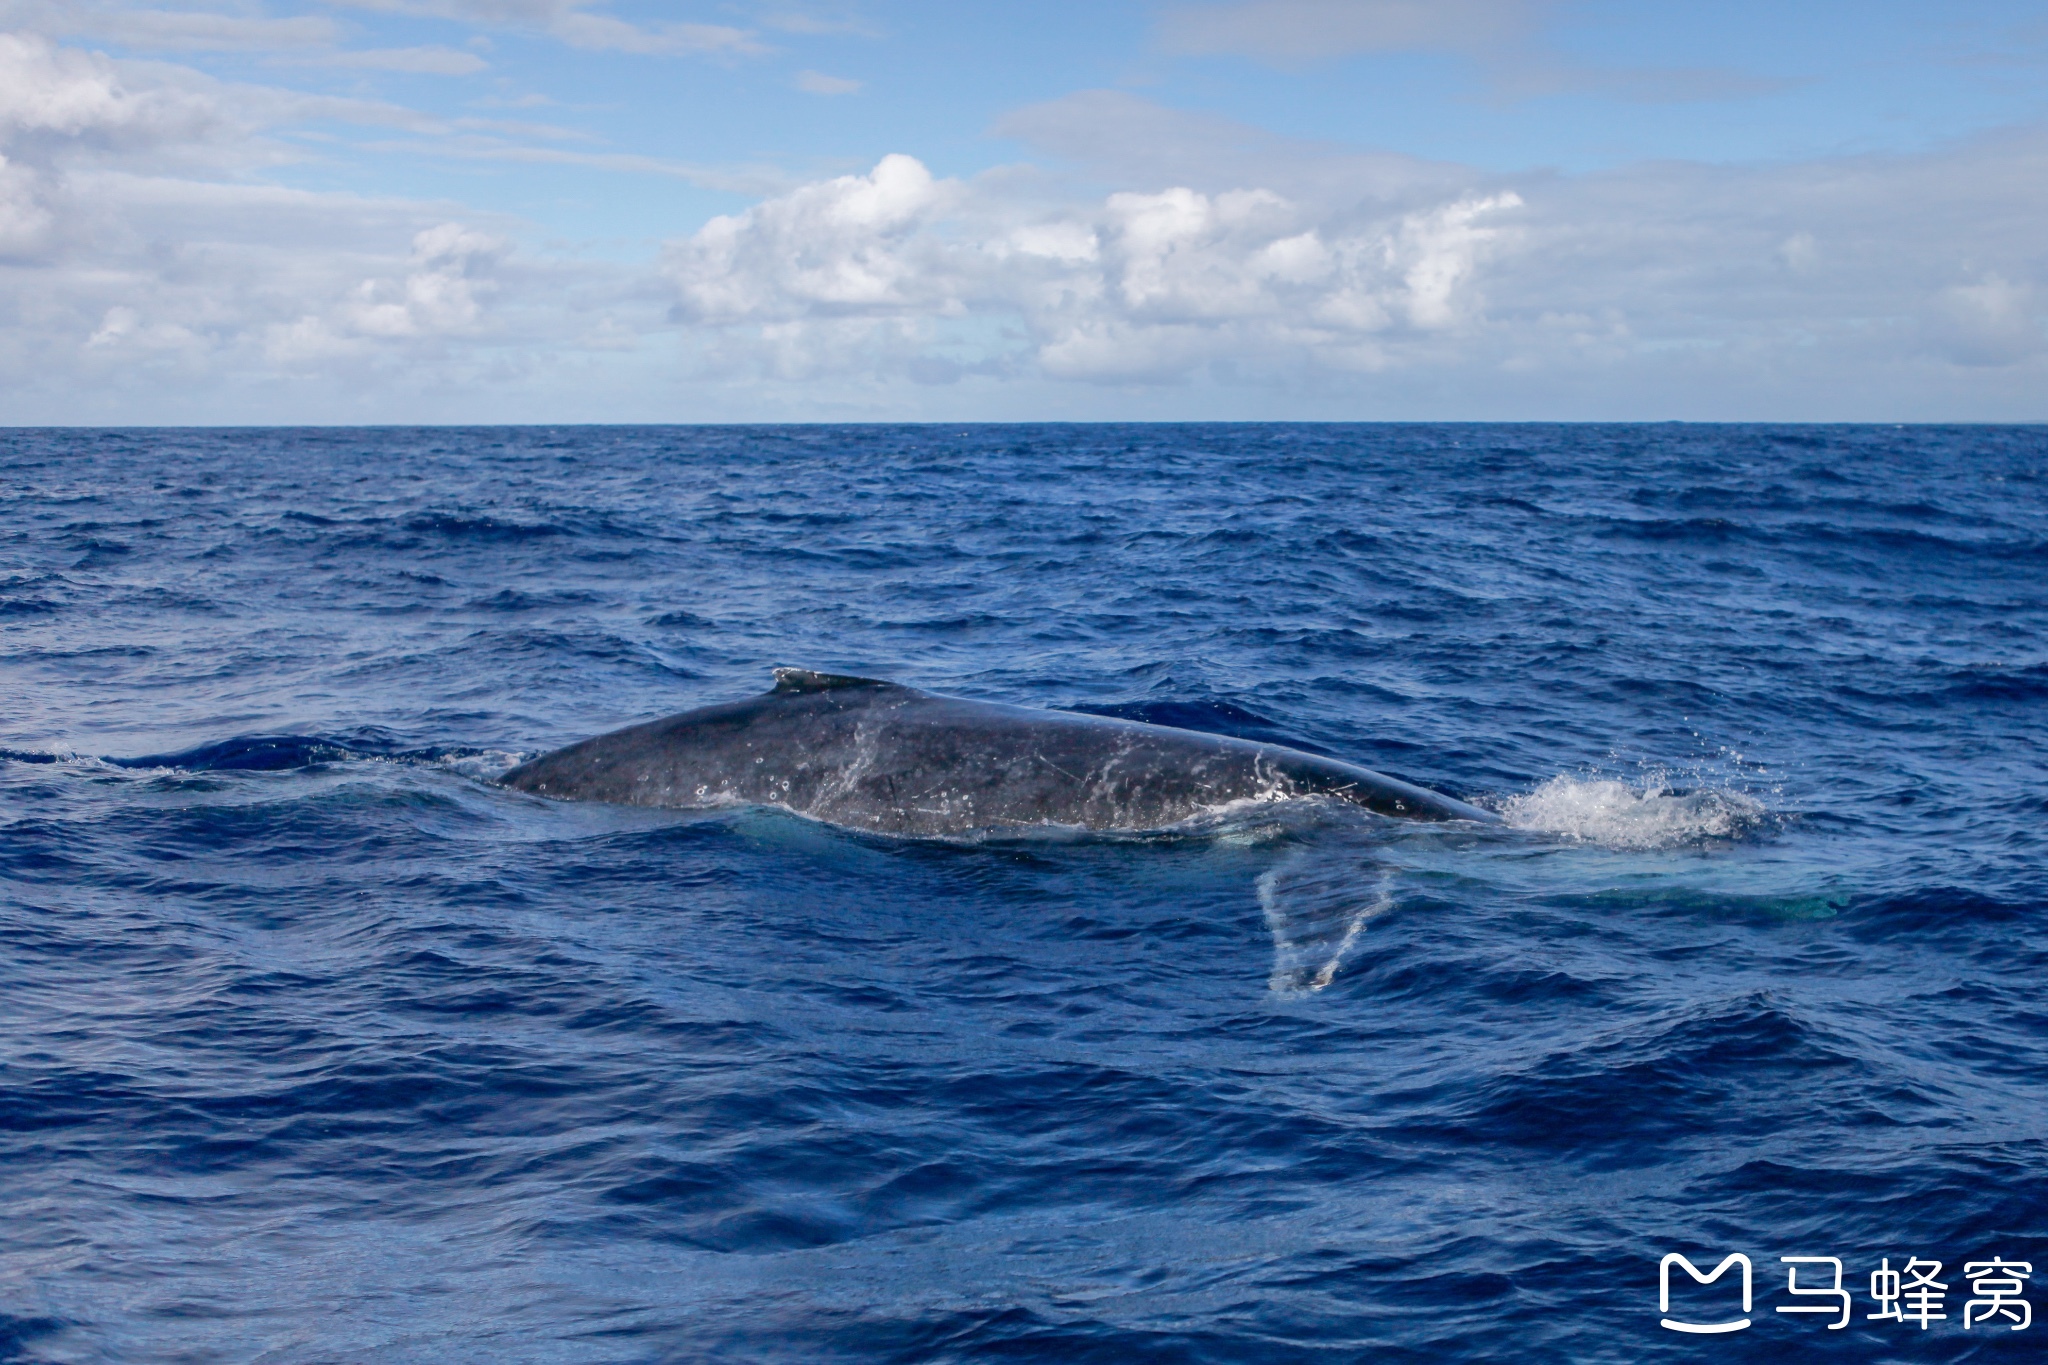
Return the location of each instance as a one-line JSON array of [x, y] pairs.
[[1617, 814]]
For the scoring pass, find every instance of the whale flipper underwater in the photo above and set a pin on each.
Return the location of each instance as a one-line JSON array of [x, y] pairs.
[[895, 760]]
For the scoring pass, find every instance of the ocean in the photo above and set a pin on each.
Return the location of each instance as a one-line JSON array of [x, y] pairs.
[[318, 1046]]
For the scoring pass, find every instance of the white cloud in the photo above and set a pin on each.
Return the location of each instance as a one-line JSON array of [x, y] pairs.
[[315, 39], [48, 92], [184, 30], [123, 328], [849, 246], [859, 271], [1799, 289], [139, 257], [441, 295]]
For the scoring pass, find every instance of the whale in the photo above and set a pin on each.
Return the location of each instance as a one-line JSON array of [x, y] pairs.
[[891, 759]]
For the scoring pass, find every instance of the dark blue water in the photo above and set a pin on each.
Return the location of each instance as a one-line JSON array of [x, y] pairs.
[[316, 1046]]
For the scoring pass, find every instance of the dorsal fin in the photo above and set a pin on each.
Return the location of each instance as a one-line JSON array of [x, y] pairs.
[[803, 680]]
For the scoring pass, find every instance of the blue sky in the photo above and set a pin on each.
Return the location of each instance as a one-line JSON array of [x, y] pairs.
[[573, 210]]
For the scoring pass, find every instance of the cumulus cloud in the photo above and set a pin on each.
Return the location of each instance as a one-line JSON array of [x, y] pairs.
[[1135, 287], [50, 94], [60, 109], [441, 294], [848, 245], [1789, 281]]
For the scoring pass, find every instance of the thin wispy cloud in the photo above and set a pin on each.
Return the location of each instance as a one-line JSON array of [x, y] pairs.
[[172, 30], [524, 151], [1296, 31], [1508, 42], [412, 61], [811, 23], [583, 24], [818, 83]]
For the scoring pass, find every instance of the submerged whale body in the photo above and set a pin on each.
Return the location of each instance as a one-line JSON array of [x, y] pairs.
[[896, 760]]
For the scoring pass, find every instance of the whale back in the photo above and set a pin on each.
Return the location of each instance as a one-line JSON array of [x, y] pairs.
[[880, 756]]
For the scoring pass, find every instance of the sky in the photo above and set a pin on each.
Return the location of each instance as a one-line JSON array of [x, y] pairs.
[[399, 211]]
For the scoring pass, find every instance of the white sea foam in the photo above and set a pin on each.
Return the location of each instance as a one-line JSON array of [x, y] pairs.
[[484, 765], [1316, 908], [1616, 814]]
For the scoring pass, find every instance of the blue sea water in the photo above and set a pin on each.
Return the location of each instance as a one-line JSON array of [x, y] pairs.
[[316, 1046]]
